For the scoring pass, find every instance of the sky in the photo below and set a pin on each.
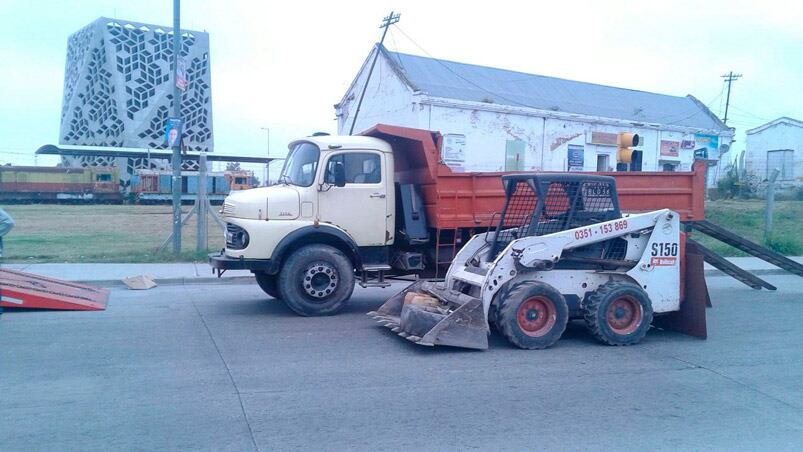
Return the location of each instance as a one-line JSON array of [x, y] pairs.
[[283, 65]]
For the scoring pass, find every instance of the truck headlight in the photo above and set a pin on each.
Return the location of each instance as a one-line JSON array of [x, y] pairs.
[[236, 237]]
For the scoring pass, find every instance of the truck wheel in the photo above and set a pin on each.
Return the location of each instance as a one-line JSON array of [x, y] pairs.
[[316, 280], [267, 283], [532, 315], [618, 313]]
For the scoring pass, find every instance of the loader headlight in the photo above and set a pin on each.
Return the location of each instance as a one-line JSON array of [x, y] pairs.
[[236, 237]]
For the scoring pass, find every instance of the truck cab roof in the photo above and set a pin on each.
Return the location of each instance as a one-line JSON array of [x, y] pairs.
[[345, 142]]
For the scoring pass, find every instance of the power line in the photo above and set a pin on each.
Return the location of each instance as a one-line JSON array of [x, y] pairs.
[[730, 77], [386, 23]]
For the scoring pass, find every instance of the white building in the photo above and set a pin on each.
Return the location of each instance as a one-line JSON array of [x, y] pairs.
[[495, 119], [776, 144]]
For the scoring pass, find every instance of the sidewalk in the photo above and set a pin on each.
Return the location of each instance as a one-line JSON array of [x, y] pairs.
[[111, 275]]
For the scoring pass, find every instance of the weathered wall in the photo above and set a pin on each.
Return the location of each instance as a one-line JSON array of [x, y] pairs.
[[777, 137], [387, 100], [495, 141]]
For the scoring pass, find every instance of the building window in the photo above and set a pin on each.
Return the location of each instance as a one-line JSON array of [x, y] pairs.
[[602, 162], [782, 160]]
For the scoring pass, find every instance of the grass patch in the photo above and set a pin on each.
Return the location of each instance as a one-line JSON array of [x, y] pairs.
[[100, 233], [746, 218]]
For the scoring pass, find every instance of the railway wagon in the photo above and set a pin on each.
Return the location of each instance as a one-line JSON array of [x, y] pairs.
[[22, 184], [153, 186]]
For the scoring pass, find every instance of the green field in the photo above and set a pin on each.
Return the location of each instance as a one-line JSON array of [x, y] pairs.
[[131, 233], [746, 218], [99, 233]]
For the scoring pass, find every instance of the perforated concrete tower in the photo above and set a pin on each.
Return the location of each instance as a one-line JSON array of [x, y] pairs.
[[118, 86]]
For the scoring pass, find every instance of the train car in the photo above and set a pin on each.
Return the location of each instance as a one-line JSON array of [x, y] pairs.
[[24, 184], [154, 186]]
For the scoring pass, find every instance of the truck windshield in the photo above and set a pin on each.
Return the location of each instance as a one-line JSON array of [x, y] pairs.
[[300, 166]]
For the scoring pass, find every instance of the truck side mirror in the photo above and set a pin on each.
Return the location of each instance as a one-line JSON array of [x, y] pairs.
[[340, 174]]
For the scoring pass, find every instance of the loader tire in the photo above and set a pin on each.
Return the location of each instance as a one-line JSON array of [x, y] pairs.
[[618, 313], [532, 315], [316, 280], [267, 283], [418, 320]]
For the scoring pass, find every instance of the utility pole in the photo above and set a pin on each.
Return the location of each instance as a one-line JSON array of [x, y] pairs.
[[730, 77], [267, 165], [386, 22], [177, 145]]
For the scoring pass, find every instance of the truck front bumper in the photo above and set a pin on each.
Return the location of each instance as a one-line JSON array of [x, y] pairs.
[[220, 262]]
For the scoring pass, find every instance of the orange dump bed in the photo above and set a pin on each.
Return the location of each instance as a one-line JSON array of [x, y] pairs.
[[470, 200]]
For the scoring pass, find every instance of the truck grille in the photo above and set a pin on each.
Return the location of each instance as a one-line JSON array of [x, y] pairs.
[[228, 209], [236, 237]]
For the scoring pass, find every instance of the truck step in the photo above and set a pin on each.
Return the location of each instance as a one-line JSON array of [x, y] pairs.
[[379, 281]]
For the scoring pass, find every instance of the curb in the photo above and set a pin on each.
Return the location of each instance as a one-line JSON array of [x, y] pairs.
[[118, 284]]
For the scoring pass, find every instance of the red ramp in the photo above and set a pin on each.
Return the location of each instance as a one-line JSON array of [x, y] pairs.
[[24, 290]]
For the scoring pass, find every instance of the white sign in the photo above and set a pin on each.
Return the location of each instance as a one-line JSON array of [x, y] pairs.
[[453, 153]]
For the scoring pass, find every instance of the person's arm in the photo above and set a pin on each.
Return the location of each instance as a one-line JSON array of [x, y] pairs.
[[6, 222]]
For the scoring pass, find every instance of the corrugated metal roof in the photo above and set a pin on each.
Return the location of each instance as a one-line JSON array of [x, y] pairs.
[[468, 82]]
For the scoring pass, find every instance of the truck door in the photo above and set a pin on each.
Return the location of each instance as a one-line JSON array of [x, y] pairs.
[[361, 206]]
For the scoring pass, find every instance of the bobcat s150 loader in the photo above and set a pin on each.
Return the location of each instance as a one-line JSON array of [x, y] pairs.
[[562, 250]]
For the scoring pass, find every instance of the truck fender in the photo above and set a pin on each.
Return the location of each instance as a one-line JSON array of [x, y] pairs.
[[308, 235]]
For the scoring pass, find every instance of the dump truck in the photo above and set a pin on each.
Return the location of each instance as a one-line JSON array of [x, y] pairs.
[[368, 208]]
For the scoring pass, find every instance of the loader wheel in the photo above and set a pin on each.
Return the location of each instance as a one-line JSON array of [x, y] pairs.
[[532, 315], [316, 280], [268, 284], [618, 313]]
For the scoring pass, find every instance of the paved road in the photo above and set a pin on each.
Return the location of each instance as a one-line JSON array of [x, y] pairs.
[[223, 368]]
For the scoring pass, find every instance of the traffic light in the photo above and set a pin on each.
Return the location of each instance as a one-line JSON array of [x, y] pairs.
[[626, 141]]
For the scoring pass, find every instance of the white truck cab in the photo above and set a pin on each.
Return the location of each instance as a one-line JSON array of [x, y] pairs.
[[332, 212]]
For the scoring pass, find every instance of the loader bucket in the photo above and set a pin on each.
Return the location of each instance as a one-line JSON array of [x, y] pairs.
[[422, 314], [690, 319]]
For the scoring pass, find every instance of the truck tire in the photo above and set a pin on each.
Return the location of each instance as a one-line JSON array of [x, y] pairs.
[[618, 313], [316, 280], [267, 283], [531, 314]]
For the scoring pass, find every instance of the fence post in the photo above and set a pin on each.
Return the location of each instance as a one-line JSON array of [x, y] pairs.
[[770, 204]]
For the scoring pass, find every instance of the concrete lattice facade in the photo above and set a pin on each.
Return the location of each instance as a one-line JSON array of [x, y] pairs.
[[118, 86]]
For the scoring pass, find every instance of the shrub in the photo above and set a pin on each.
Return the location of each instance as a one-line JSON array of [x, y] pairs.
[[728, 186], [785, 245]]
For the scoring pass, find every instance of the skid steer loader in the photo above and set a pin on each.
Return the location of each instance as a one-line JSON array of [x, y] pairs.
[[561, 250]]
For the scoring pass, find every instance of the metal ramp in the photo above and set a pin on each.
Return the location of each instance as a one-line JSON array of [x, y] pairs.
[[752, 248], [730, 269], [27, 291]]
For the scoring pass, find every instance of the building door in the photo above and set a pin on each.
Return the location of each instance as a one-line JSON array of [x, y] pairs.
[[602, 162], [514, 155]]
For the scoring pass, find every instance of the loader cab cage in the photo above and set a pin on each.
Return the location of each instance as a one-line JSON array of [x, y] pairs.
[[540, 204]]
